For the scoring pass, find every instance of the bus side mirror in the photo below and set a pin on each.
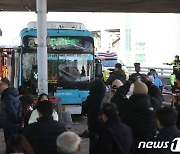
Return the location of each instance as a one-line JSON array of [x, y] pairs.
[[98, 69]]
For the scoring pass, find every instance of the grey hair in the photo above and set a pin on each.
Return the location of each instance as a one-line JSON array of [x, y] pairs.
[[68, 142]]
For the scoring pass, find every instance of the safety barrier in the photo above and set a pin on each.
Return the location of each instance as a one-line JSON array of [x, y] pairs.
[[162, 72]]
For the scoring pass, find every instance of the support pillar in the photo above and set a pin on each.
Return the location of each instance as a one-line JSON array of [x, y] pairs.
[[41, 6]]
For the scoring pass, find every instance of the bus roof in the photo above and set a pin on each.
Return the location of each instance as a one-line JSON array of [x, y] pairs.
[[58, 25], [57, 33]]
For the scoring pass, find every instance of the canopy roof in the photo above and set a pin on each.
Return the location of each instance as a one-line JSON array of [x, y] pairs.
[[151, 6]]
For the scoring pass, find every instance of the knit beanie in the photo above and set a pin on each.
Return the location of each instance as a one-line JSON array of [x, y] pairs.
[[117, 83], [140, 87]]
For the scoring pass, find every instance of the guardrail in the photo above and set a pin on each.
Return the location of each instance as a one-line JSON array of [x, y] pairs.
[[163, 73]]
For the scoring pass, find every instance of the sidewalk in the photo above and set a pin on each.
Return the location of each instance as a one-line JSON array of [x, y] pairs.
[[79, 125]]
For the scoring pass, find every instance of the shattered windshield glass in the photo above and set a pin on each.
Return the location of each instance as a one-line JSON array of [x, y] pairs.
[[62, 43], [62, 68], [70, 67]]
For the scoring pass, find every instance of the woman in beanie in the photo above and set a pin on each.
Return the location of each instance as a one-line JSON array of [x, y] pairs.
[[136, 111]]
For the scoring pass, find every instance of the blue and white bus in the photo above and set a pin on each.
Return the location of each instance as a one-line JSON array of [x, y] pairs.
[[70, 48]]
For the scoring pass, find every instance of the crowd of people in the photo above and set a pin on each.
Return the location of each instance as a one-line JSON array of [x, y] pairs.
[[118, 122], [33, 131]]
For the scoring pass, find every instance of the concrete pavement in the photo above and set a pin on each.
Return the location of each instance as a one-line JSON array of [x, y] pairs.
[[79, 125]]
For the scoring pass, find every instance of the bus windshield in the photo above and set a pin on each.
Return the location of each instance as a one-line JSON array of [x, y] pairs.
[[62, 68], [61, 43]]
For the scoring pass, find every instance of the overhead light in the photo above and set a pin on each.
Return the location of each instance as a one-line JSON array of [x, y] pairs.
[[0, 32]]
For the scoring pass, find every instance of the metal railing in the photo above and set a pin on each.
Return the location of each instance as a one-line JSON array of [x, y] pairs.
[[163, 73]]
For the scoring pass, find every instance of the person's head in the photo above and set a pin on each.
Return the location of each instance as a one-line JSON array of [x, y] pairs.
[[140, 87], [109, 112], [43, 97], [97, 87], [28, 98], [151, 78], [118, 66], [4, 84], [115, 85], [137, 67], [44, 108], [68, 143], [153, 72], [22, 90], [18, 144], [166, 116], [176, 57]]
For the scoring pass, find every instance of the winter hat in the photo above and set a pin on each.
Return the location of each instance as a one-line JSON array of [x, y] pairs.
[[140, 87], [116, 83]]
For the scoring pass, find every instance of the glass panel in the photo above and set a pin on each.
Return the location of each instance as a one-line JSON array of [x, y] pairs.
[[110, 62], [29, 65], [70, 67], [62, 68], [62, 43]]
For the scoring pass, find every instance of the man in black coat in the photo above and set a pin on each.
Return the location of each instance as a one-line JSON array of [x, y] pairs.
[[155, 95], [138, 74], [116, 137], [93, 105], [136, 112], [166, 121], [42, 135], [10, 108], [117, 74]]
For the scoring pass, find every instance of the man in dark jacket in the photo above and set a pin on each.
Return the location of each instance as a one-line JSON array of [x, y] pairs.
[[26, 101], [10, 108], [116, 137], [117, 74], [42, 135], [166, 121], [138, 74], [155, 95], [93, 105], [136, 111]]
